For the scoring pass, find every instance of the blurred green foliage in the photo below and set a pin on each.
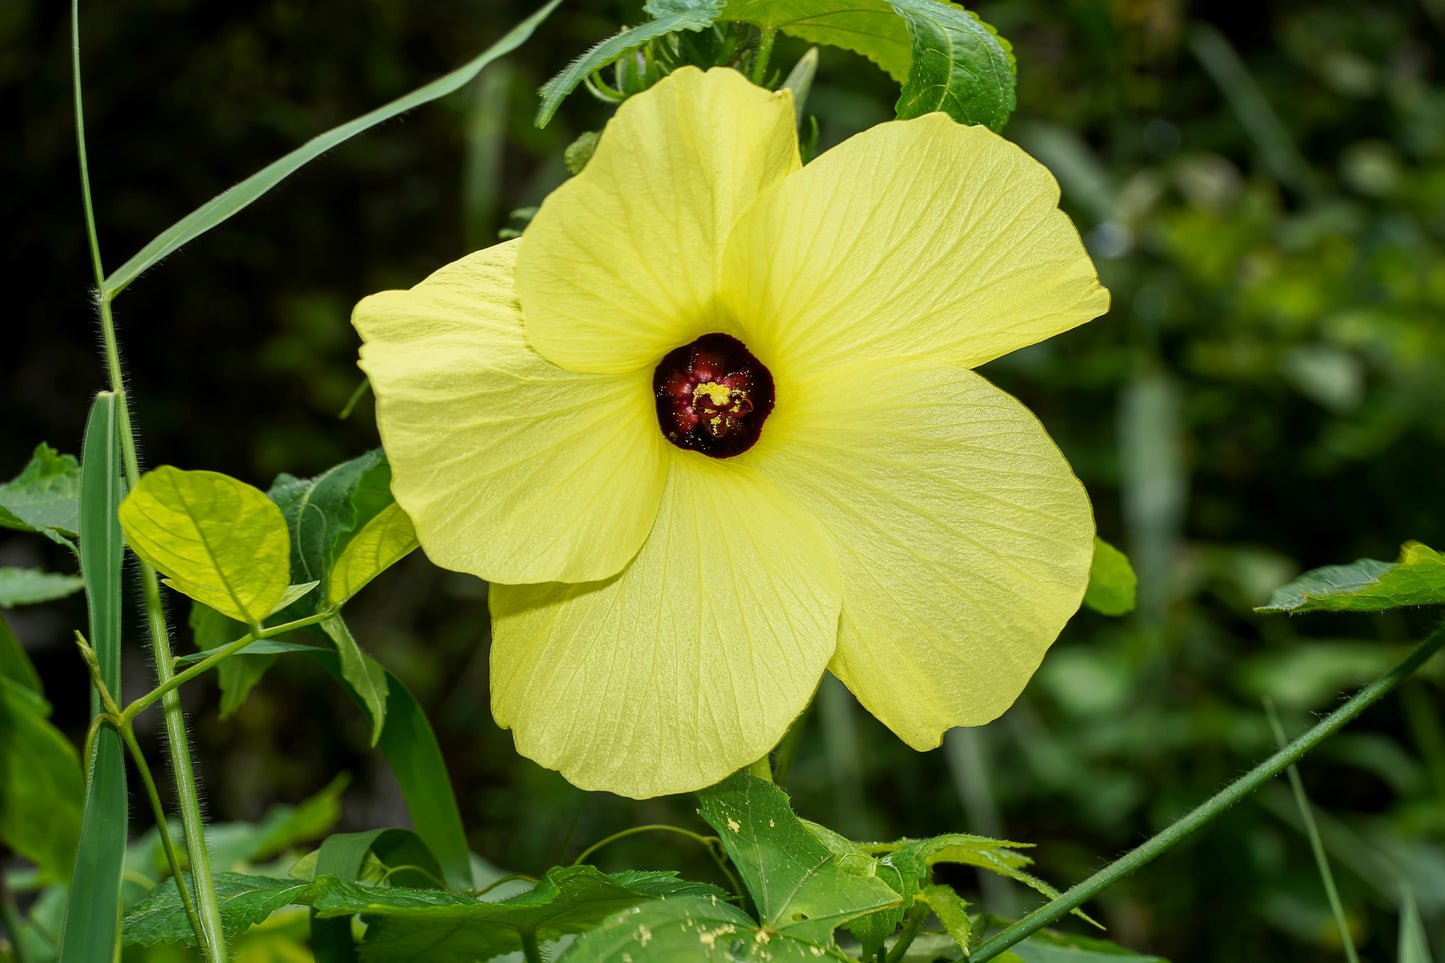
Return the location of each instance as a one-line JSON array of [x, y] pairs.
[[1263, 188]]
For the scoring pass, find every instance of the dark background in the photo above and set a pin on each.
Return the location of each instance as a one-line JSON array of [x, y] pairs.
[[1263, 190]]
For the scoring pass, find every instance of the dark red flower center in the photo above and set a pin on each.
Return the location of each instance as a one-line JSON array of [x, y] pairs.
[[712, 396]]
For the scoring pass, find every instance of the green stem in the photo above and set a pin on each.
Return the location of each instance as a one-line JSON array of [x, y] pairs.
[[214, 659], [1206, 811], [912, 924], [762, 769], [1316, 844], [530, 950], [765, 51], [711, 843], [127, 735], [209, 934]]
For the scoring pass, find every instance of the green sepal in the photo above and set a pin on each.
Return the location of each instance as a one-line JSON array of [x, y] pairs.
[[1366, 585], [669, 16]]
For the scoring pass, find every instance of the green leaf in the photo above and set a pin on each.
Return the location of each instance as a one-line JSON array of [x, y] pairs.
[[44, 497], [40, 787], [669, 17], [1413, 946], [1048, 946], [382, 542], [1112, 582], [259, 647], [323, 512], [15, 665], [93, 904], [366, 676], [960, 65], [244, 901], [951, 910], [344, 854], [873, 929], [29, 586], [221, 541], [799, 886], [1366, 585], [867, 27], [691, 928], [229, 202], [453, 927], [416, 760]]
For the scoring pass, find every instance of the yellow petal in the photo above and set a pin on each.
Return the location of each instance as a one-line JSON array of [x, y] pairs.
[[620, 264], [916, 237], [963, 537], [692, 662], [511, 468]]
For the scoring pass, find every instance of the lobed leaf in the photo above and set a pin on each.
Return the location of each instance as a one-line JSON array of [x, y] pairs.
[[692, 928], [221, 207], [670, 16], [244, 901], [1112, 582], [450, 926], [799, 886], [40, 786], [44, 497], [1366, 585], [960, 65], [220, 541], [29, 586]]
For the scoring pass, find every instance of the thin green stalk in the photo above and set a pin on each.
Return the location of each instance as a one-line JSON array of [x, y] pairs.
[[711, 843], [765, 51], [912, 924], [209, 935], [214, 659], [1206, 811], [127, 735], [1316, 844]]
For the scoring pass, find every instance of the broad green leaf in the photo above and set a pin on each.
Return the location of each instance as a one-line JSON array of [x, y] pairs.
[[365, 675], [871, 930], [1366, 585], [44, 497], [344, 854], [1413, 945], [15, 665], [29, 586], [798, 885], [244, 901], [40, 789], [93, 903], [693, 929], [951, 910], [453, 927], [323, 512], [1112, 582], [237, 198], [867, 27], [381, 543], [416, 760], [220, 541], [960, 65], [1048, 946], [670, 17]]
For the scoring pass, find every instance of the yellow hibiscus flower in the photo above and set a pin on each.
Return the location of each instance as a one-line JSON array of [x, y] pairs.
[[708, 429]]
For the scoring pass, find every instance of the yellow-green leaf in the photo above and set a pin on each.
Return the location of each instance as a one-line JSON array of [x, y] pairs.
[[1366, 585], [220, 541], [382, 542], [1112, 582]]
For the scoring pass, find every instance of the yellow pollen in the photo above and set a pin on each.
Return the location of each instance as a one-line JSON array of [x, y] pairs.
[[721, 396]]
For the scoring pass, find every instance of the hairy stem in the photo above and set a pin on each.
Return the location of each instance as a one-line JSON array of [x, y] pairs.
[[1206, 811], [127, 735]]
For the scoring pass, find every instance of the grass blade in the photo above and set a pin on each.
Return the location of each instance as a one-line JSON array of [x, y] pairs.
[[92, 918], [235, 199]]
